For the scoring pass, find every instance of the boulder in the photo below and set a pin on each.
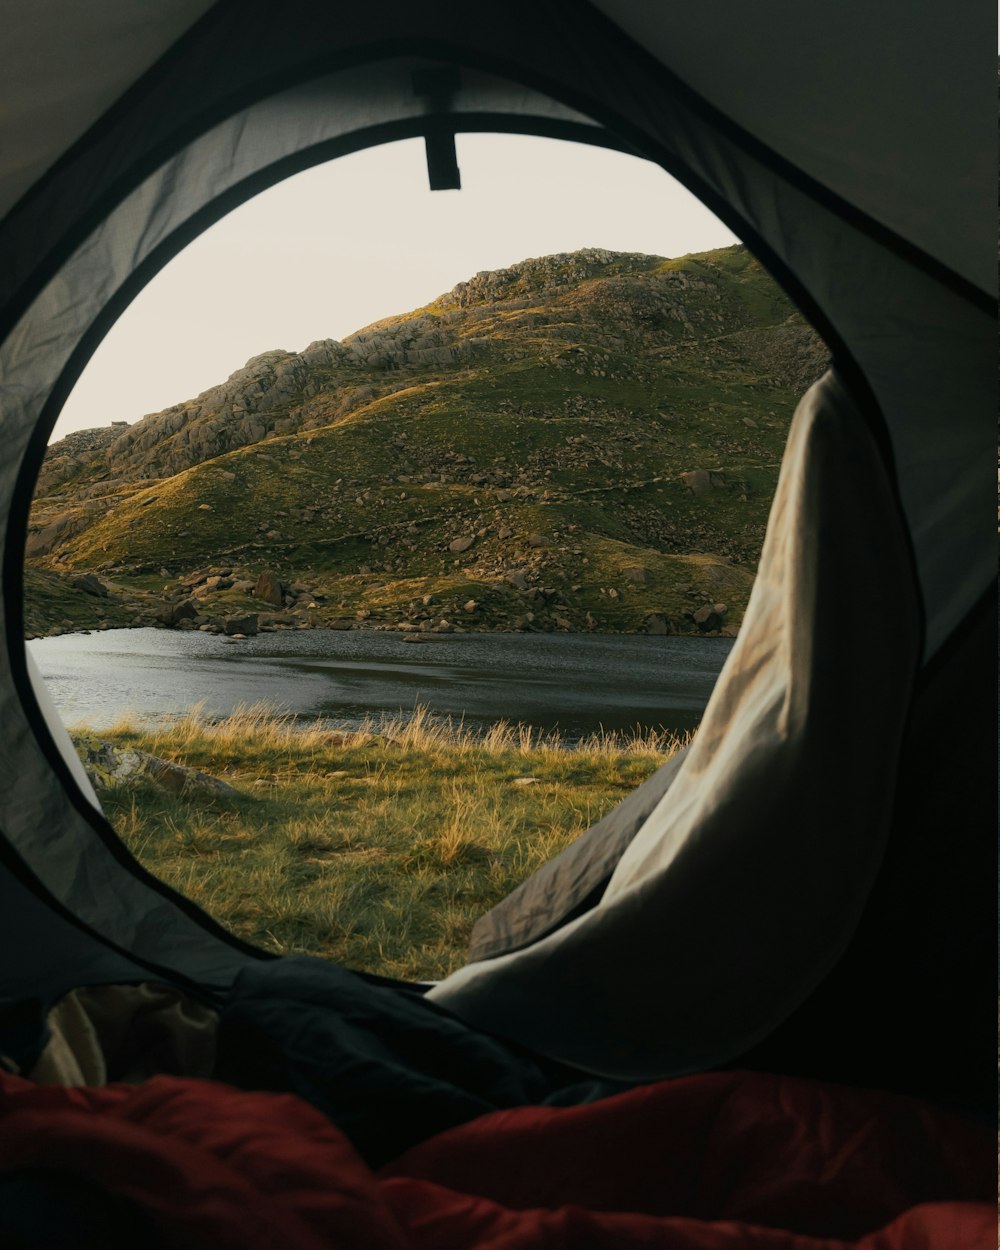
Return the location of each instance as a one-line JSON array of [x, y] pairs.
[[171, 614], [701, 481], [185, 610], [537, 540], [461, 544], [247, 624], [269, 588], [90, 584], [638, 576], [706, 618], [656, 623], [109, 766]]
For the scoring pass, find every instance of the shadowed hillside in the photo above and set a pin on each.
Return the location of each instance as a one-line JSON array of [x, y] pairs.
[[584, 441]]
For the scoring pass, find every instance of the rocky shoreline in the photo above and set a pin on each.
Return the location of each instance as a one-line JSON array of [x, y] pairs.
[[221, 601]]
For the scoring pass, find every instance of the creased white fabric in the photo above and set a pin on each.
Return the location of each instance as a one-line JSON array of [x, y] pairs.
[[745, 883]]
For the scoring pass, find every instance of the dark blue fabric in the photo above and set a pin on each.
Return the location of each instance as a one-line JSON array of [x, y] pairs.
[[389, 1068]]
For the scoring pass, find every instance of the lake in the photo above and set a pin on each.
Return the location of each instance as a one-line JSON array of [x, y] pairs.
[[575, 683]]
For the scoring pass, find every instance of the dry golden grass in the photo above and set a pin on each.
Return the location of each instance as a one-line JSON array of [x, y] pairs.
[[377, 848]]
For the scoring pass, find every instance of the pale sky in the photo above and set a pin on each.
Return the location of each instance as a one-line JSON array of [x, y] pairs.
[[347, 243]]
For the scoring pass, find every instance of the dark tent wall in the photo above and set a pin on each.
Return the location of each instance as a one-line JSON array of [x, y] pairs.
[[854, 167]]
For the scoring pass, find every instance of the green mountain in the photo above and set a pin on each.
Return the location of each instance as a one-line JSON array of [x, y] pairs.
[[582, 441]]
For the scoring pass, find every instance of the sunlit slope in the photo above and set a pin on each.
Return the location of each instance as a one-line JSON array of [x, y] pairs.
[[603, 427]]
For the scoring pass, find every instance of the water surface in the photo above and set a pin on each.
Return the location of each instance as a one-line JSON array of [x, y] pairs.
[[572, 682]]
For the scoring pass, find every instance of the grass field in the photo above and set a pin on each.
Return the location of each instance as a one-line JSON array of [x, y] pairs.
[[378, 849]]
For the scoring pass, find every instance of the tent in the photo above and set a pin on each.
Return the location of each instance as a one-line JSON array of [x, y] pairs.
[[809, 889]]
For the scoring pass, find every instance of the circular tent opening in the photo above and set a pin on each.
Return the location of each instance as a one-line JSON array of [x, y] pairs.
[[879, 284], [567, 449]]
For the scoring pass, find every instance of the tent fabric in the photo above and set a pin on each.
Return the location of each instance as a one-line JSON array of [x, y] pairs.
[[103, 1033], [744, 884], [703, 1163], [575, 879], [748, 878], [865, 113], [249, 100], [64, 65]]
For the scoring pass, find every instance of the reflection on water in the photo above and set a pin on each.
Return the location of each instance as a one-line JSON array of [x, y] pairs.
[[572, 682]]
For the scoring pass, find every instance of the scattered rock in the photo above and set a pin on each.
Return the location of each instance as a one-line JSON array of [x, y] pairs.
[[172, 614], [525, 781], [461, 544], [639, 576], [701, 481], [706, 618], [90, 584], [537, 540], [246, 624], [269, 588], [656, 623]]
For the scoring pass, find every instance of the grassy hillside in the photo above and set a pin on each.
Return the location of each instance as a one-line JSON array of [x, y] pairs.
[[586, 441]]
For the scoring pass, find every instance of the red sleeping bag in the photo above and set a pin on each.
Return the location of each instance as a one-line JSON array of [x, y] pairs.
[[710, 1162]]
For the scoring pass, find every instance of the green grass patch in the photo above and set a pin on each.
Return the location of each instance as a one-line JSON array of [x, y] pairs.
[[377, 849]]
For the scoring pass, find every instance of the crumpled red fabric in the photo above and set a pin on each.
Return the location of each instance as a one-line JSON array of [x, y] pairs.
[[709, 1162]]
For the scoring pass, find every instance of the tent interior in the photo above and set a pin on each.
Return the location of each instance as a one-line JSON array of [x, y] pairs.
[[808, 890]]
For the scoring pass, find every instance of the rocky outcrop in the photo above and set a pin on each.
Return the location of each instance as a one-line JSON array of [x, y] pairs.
[[108, 766], [282, 392], [45, 538]]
